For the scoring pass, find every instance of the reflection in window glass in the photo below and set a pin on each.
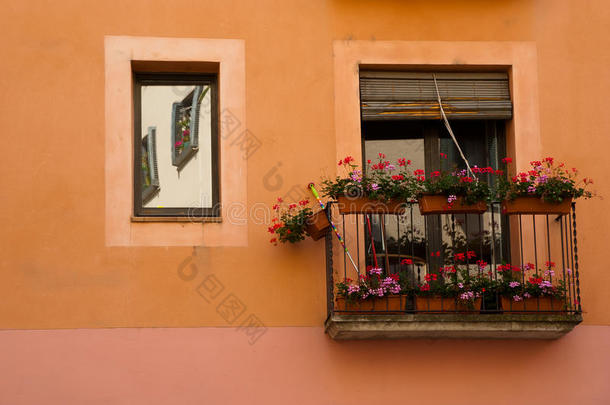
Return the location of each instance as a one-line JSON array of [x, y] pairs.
[[183, 181]]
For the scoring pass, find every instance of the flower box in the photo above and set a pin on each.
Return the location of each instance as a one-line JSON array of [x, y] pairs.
[[437, 204], [317, 225], [535, 205], [364, 205], [391, 304], [435, 304], [440, 304], [534, 304]]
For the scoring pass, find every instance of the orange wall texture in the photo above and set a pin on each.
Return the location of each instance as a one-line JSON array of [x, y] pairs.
[[57, 271]]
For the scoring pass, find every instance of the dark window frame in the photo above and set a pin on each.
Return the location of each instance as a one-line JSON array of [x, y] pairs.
[[175, 79]]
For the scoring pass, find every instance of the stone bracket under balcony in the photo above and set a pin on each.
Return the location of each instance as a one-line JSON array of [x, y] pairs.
[[458, 326]]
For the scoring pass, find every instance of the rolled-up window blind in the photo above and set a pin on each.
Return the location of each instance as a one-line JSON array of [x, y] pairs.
[[387, 95]]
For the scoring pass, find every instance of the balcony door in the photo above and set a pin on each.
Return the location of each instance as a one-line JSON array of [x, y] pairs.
[[432, 241]]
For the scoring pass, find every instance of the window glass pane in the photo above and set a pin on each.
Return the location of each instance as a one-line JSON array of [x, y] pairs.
[[181, 116], [468, 231], [434, 241], [398, 236]]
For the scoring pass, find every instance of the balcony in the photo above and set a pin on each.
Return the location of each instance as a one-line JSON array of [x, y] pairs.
[[448, 249]]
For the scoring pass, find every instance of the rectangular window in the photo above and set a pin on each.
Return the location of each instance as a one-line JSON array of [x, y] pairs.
[[401, 118], [176, 124]]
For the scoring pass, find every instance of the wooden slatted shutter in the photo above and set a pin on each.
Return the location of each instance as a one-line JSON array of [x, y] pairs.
[[389, 95]]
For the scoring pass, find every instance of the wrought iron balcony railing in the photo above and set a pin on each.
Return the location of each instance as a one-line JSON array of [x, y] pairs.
[[530, 250]]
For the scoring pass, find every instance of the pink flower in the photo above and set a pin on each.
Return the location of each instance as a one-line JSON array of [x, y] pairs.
[[375, 270]]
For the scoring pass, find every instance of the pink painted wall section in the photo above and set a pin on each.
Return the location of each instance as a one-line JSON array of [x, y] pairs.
[[296, 366]]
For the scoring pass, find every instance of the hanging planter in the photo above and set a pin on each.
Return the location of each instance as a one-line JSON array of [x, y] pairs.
[[391, 304], [294, 221], [364, 205], [438, 204], [535, 205], [533, 305], [317, 225]]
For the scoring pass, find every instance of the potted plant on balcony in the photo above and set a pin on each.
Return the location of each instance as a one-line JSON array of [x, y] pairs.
[[455, 287], [539, 293], [453, 192], [547, 188], [382, 188], [373, 293], [294, 220], [435, 295]]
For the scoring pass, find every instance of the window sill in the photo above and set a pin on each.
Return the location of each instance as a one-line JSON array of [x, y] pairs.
[[458, 326], [177, 219]]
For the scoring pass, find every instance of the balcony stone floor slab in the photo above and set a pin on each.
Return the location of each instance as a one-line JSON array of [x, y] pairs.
[[456, 326]]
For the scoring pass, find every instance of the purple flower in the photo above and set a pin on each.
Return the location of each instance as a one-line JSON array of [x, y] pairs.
[[468, 296], [357, 176], [517, 298], [374, 186], [390, 285], [353, 289], [514, 284], [375, 270], [531, 189], [545, 284]]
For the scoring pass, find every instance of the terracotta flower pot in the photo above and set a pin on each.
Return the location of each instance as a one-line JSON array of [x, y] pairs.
[[364, 205], [391, 304], [532, 305], [317, 225], [534, 205], [464, 307], [437, 204], [435, 304]]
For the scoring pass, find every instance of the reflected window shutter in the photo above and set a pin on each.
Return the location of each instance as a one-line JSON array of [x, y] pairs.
[[152, 155], [387, 95]]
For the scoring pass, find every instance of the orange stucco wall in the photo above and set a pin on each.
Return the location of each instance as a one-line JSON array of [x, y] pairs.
[[53, 102], [58, 271]]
